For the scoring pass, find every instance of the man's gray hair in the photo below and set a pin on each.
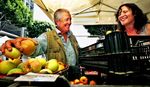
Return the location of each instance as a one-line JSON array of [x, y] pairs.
[[58, 13]]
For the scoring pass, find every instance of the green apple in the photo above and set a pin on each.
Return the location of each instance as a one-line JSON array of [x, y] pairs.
[[15, 71], [5, 66], [53, 65], [22, 66], [13, 54]]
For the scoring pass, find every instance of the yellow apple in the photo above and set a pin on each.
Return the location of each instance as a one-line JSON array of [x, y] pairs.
[[84, 80], [28, 46], [61, 66], [41, 60], [15, 71], [13, 54], [52, 64], [5, 66], [36, 66], [30, 59], [24, 67], [15, 61]]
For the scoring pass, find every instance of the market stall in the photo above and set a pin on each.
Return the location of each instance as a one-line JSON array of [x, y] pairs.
[[90, 12], [119, 61], [109, 62]]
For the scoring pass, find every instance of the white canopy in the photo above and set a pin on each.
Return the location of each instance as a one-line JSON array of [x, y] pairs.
[[90, 12]]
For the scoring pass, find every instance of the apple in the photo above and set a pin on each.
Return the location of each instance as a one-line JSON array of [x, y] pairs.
[[5, 66], [84, 80], [36, 66], [15, 71], [21, 65], [15, 61], [42, 61], [81, 83], [71, 82], [24, 67], [30, 59], [28, 47], [61, 66], [13, 54], [76, 81], [92, 82], [52, 64]]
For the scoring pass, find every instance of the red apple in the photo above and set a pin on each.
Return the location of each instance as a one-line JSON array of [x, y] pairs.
[[13, 54], [92, 82], [84, 80], [76, 81], [72, 82]]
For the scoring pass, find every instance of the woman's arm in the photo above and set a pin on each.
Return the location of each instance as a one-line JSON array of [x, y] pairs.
[[148, 29]]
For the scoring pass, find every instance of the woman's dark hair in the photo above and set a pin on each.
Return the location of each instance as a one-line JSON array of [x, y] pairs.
[[140, 18]]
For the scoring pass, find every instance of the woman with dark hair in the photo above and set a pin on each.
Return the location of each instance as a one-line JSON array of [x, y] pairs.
[[132, 20]]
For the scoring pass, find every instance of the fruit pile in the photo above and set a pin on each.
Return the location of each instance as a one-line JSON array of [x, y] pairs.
[[28, 47], [36, 65], [83, 80]]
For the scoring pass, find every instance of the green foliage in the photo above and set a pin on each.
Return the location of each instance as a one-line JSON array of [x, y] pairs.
[[17, 12], [38, 28], [20, 15]]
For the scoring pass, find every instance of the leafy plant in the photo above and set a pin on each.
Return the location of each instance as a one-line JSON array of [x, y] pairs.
[[17, 12], [37, 28]]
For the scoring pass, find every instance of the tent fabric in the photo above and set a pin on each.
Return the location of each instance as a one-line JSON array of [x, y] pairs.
[[90, 12]]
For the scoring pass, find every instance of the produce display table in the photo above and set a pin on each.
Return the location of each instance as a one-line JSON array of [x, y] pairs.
[[8, 81], [61, 81]]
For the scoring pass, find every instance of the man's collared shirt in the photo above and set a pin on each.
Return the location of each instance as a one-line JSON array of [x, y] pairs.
[[70, 52]]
